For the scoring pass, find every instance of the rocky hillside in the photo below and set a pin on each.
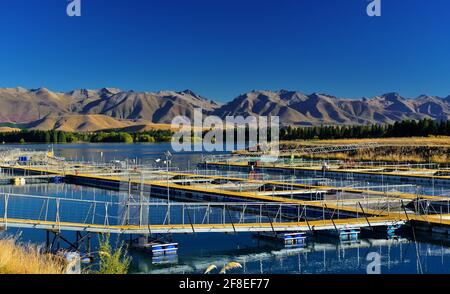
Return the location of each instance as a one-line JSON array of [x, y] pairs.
[[300, 109], [20, 105]]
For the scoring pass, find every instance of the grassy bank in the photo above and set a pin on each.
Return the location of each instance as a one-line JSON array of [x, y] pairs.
[[436, 141], [18, 258], [413, 150]]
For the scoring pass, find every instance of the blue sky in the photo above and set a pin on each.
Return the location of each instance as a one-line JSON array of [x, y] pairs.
[[221, 48]]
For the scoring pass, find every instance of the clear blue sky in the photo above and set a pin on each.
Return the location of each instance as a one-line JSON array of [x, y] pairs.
[[221, 48]]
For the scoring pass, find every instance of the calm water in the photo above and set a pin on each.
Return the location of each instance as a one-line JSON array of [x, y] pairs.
[[426, 254], [320, 256], [141, 153]]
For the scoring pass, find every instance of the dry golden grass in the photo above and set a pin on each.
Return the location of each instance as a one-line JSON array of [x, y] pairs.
[[412, 141], [18, 258], [8, 130], [98, 122], [81, 123], [136, 127], [413, 150], [393, 157]]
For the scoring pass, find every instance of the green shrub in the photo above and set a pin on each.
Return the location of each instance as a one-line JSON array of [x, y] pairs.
[[113, 261]]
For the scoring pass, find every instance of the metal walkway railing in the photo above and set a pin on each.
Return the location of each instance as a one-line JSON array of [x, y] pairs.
[[140, 216]]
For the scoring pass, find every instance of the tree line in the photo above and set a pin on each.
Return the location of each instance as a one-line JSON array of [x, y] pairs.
[[52, 136], [405, 128]]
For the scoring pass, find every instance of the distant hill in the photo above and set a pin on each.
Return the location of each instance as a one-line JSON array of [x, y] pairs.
[[79, 123], [315, 109], [19, 105], [109, 108], [8, 130]]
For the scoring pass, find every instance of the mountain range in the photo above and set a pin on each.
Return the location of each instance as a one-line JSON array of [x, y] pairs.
[[109, 108]]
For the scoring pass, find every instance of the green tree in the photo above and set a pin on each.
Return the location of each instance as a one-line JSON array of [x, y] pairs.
[[47, 137], [62, 137], [125, 138]]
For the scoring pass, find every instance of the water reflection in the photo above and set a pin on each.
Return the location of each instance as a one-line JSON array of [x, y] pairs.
[[401, 255]]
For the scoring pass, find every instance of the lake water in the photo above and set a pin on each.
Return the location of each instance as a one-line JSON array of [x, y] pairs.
[[141, 153], [427, 254]]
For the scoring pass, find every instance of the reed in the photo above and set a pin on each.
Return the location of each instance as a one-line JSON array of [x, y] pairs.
[[16, 258], [411, 141], [413, 150]]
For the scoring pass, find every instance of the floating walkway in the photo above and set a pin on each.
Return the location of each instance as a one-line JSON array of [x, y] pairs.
[[36, 179], [376, 209], [201, 228], [412, 176], [178, 192]]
